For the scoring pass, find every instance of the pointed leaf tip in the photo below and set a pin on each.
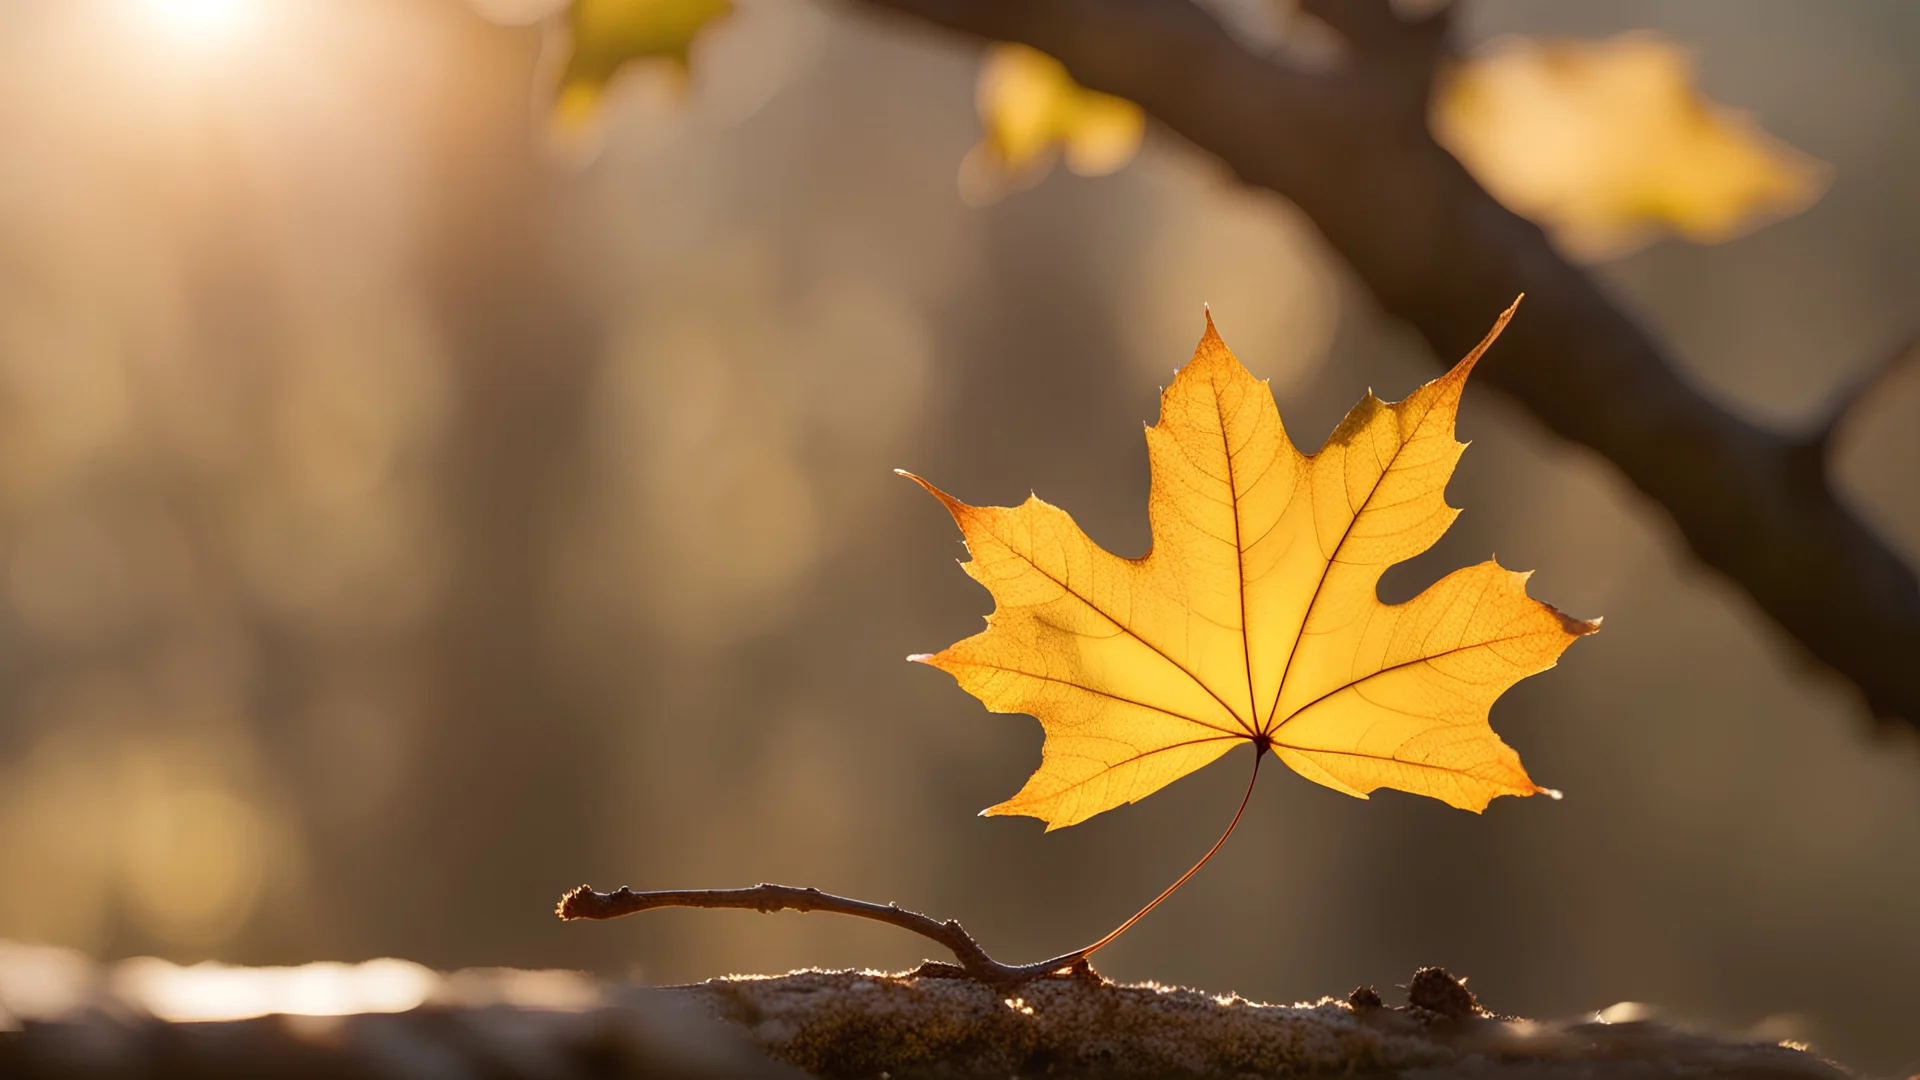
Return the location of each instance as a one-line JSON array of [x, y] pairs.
[[920, 658], [954, 506], [1574, 626], [1462, 369]]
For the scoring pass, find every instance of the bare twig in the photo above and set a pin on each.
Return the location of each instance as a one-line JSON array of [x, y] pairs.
[[1352, 151], [584, 903]]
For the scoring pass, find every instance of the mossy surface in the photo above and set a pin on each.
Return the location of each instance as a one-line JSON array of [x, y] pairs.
[[63, 1016], [866, 1024]]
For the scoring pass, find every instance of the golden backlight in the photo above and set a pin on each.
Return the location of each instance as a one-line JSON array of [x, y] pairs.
[[200, 20]]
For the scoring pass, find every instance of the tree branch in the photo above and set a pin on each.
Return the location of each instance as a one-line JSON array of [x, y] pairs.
[[584, 903], [1850, 398], [1351, 148]]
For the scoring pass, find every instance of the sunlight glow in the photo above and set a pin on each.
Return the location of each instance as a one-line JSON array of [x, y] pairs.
[[210, 991], [200, 20]]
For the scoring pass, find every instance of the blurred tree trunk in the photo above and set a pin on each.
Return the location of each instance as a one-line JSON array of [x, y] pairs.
[[500, 742]]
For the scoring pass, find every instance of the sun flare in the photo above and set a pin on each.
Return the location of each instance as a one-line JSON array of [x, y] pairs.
[[199, 20]]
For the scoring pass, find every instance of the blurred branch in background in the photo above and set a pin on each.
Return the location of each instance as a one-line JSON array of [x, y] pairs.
[[1350, 146]]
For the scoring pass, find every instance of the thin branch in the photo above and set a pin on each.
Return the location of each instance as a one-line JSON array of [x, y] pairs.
[[584, 903], [1353, 152], [974, 963]]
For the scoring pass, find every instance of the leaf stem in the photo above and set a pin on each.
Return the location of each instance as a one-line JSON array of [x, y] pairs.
[[1259, 755], [974, 963]]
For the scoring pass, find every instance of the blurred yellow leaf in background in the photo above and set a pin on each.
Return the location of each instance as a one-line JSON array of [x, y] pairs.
[[1031, 109], [1255, 617], [608, 35], [1608, 144]]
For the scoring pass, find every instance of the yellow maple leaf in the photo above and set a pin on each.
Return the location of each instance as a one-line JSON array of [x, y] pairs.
[[1031, 110], [1255, 617], [1607, 144], [608, 35]]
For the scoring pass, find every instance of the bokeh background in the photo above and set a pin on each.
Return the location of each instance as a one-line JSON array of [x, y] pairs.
[[404, 517]]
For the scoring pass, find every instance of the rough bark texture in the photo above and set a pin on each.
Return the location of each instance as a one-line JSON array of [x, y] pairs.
[[556, 1025], [1350, 147], [854, 1024]]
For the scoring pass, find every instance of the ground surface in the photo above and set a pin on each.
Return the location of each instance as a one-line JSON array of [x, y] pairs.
[[864, 1024], [61, 1016]]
